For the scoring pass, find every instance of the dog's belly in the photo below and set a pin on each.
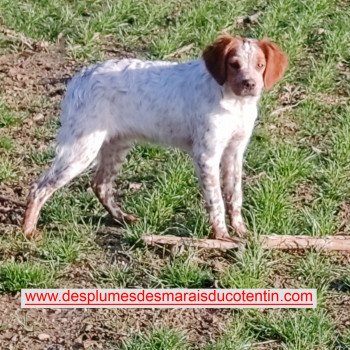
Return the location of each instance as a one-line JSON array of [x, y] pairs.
[[163, 131]]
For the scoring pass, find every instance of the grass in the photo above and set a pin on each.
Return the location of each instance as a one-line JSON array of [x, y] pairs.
[[238, 336], [7, 169], [6, 143], [316, 270], [116, 276], [41, 157], [66, 247], [296, 170], [185, 272], [156, 339], [7, 117], [344, 343], [15, 276], [302, 329], [250, 269]]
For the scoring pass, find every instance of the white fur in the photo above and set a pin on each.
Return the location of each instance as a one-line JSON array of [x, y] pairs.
[[108, 106]]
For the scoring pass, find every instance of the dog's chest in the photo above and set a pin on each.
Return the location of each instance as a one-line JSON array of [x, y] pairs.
[[236, 120]]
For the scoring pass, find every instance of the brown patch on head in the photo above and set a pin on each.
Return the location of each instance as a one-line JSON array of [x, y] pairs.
[[276, 62], [215, 56], [260, 59], [245, 65]]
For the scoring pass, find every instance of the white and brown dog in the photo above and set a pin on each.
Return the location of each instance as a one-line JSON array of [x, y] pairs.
[[206, 106]]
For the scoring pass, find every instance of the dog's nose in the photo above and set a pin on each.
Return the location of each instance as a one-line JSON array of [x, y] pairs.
[[249, 84]]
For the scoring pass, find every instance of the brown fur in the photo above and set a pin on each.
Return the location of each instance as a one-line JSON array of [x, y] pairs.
[[276, 62], [215, 56]]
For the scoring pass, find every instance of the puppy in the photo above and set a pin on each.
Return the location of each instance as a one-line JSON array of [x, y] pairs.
[[207, 107]]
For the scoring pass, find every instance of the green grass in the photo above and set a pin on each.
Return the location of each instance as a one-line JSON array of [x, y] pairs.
[[238, 336], [7, 117], [185, 272], [15, 276], [295, 329], [65, 247], [316, 271], [296, 170], [157, 339], [6, 143], [281, 329], [115, 276], [7, 169], [250, 270], [41, 157], [344, 342], [72, 205]]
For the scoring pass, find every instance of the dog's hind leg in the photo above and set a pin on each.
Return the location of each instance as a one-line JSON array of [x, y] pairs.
[[73, 156], [110, 160]]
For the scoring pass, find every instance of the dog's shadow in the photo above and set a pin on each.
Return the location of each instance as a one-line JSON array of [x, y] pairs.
[[109, 237]]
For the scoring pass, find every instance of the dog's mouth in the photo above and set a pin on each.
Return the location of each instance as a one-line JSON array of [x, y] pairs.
[[247, 92], [241, 90]]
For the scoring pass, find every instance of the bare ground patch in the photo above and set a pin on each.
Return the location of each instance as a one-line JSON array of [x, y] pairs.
[[100, 329]]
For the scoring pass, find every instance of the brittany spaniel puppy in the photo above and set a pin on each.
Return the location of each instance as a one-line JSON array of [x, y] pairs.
[[207, 107]]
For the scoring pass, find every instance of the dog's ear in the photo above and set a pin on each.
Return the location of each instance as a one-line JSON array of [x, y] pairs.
[[215, 56], [276, 62]]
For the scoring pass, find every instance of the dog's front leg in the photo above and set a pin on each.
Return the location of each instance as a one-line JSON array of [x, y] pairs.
[[208, 170], [232, 172]]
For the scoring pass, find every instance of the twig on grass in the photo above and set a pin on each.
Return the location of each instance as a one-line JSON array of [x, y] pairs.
[[280, 242]]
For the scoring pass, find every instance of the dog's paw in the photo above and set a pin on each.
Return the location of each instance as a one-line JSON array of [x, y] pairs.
[[238, 226], [130, 219], [28, 228], [220, 234], [31, 233], [125, 218]]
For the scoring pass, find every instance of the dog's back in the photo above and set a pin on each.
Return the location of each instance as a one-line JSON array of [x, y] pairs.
[[151, 100]]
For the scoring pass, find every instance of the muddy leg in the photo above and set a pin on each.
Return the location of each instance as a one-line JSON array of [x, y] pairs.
[[71, 159], [232, 164], [111, 158]]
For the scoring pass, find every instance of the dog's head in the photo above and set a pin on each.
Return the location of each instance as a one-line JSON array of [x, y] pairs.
[[246, 65]]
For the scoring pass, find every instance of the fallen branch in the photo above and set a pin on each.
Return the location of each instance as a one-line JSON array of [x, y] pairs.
[[192, 242], [281, 242], [306, 242], [286, 108]]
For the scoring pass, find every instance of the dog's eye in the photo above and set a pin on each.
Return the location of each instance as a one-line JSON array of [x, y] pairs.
[[260, 65], [235, 65]]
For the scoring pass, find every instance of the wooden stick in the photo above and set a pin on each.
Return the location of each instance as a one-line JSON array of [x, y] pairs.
[[281, 242], [337, 243], [191, 242]]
